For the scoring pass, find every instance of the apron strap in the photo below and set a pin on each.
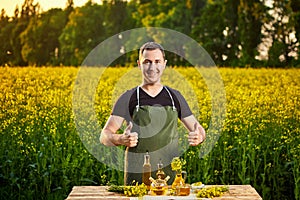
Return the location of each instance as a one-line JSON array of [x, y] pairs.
[[138, 98], [173, 104]]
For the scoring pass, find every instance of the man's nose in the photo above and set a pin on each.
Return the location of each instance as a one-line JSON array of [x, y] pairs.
[[151, 65]]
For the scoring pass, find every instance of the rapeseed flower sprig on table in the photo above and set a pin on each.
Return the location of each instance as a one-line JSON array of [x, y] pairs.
[[135, 190], [177, 164]]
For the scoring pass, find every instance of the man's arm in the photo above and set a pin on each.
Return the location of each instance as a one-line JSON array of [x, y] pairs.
[[196, 131], [109, 136]]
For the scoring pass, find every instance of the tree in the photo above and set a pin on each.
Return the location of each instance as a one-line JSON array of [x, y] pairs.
[[19, 24], [209, 31], [5, 47], [168, 14], [175, 15], [231, 33], [40, 39], [283, 26], [70, 4], [29, 9], [250, 22], [295, 5], [82, 33], [115, 23]]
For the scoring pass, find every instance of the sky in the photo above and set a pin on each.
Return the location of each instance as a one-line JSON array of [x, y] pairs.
[[10, 5]]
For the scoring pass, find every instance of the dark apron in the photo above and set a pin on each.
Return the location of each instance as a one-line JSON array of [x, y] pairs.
[[157, 131]]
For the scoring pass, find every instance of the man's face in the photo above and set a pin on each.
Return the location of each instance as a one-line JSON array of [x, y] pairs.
[[152, 64]]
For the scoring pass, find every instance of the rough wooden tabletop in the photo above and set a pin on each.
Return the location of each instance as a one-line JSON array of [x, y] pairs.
[[236, 192]]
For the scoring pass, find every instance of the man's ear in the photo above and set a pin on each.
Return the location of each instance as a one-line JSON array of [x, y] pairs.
[[138, 63]]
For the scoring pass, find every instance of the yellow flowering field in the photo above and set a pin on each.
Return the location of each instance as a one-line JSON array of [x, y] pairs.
[[42, 155]]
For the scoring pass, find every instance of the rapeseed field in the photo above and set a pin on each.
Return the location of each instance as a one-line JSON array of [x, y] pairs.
[[43, 156]]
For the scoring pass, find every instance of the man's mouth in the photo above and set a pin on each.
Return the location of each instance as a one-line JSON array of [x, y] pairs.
[[151, 73]]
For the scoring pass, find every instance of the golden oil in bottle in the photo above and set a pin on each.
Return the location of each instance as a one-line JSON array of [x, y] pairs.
[[146, 170]]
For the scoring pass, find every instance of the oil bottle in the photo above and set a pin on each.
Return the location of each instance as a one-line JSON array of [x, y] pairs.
[[147, 170], [160, 173]]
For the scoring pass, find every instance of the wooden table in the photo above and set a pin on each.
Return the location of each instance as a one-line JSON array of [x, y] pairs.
[[236, 192]]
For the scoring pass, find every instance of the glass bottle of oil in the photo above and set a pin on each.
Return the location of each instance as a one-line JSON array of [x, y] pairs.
[[147, 170], [160, 174]]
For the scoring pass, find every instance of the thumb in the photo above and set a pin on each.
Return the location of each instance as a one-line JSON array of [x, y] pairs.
[[196, 127], [129, 127]]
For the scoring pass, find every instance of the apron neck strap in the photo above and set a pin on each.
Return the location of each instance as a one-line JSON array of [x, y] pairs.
[[138, 98], [173, 104]]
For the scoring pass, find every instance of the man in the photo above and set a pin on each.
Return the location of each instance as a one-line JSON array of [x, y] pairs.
[[151, 111]]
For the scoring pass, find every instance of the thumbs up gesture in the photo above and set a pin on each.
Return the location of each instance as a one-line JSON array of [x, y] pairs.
[[128, 138], [196, 136]]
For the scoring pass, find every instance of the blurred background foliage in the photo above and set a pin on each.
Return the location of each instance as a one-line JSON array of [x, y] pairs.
[[237, 33]]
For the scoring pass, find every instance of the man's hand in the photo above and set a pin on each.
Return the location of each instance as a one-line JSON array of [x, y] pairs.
[[128, 138], [196, 137]]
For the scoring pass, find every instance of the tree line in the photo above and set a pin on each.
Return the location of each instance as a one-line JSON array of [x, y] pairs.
[[242, 33]]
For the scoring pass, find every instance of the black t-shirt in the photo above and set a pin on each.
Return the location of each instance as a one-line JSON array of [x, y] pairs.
[[127, 102]]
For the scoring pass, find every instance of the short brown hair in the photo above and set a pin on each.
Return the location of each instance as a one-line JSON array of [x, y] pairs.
[[151, 46]]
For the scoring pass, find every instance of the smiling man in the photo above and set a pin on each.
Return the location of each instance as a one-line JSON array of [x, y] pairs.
[[151, 111]]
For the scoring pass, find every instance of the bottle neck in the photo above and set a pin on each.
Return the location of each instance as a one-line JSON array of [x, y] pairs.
[[147, 159], [159, 167]]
